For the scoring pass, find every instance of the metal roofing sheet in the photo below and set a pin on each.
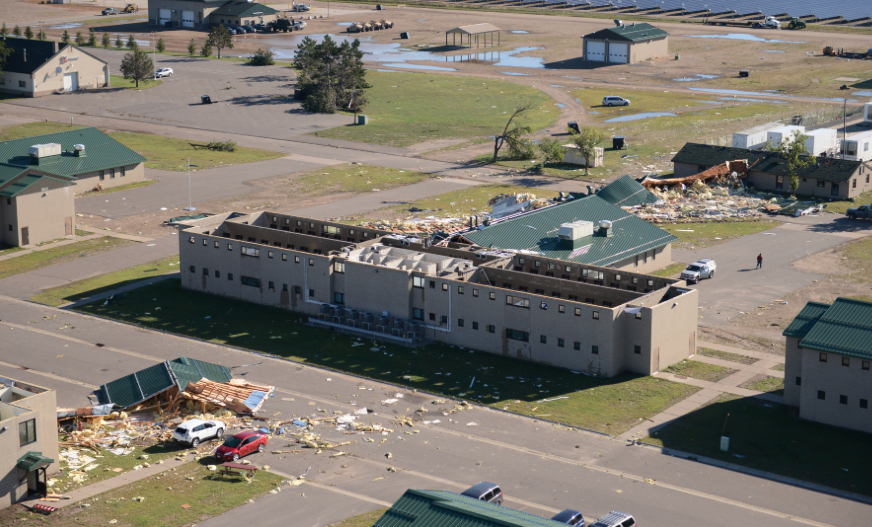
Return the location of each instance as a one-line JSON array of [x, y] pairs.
[[243, 9], [101, 152], [633, 32], [192, 370], [475, 29], [626, 192], [139, 386], [806, 318], [844, 328], [26, 55], [20, 185], [536, 231]]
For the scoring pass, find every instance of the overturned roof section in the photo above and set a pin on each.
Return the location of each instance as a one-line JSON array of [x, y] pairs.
[[145, 384], [634, 32], [436, 508], [475, 29], [845, 327], [536, 232], [626, 192]]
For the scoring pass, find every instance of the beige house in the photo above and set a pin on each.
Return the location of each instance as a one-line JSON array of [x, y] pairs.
[[407, 289], [35, 68], [203, 14], [28, 440], [626, 44], [828, 363]]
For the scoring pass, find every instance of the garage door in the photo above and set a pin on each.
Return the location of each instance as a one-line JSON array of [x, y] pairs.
[[165, 16], [596, 51], [618, 52], [71, 81], [187, 19]]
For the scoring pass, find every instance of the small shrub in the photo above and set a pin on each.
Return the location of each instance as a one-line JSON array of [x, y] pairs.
[[262, 57], [226, 146]]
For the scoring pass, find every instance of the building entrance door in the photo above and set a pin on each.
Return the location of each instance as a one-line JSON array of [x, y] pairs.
[[25, 236]]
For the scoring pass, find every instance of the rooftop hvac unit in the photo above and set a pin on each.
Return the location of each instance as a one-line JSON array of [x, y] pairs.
[[575, 230], [45, 150]]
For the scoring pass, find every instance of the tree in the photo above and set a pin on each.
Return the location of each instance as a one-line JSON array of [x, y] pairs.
[[331, 77], [131, 43], [586, 140], [262, 57], [137, 65], [206, 50], [118, 42], [795, 154], [4, 54], [106, 40], [192, 47], [3, 31], [512, 131], [92, 39], [219, 38], [66, 37], [160, 45], [41, 34], [17, 31], [80, 39], [550, 150], [28, 33]]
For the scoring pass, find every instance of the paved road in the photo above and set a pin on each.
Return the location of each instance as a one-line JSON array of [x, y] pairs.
[[542, 467]]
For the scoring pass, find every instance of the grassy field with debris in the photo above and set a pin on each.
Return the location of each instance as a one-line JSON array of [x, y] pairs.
[[55, 255], [367, 519], [354, 178], [703, 235], [699, 370], [771, 437], [500, 382], [456, 107], [726, 355], [670, 271], [766, 384], [163, 153], [187, 495]]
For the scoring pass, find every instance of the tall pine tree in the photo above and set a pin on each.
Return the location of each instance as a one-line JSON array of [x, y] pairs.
[[331, 76]]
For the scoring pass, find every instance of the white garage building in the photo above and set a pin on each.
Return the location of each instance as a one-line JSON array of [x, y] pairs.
[[42, 67], [626, 44]]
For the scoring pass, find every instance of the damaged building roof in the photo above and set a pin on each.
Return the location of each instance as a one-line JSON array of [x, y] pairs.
[[844, 327], [432, 508], [144, 384], [626, 192], [536, 232], [827, 169]]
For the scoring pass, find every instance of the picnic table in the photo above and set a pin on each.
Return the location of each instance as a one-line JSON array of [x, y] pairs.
[[231, 468]]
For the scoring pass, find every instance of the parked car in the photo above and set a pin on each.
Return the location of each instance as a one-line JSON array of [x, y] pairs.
[[484, 491], [302, 7], [615, 101], [615, 519], [299, 24], [111, 11], [163, 72], [698, 270], [569, 517], [230, 30], [241, 445], [262, 28], [195, 431], [864, 211], [249, 29]]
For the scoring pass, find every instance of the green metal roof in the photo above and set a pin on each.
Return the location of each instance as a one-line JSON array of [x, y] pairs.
[[806, 318], [440, 508], [844, 328], [18, 186], [536, 232], [634, 32], [144, 384], [827, 169], [242, 9], [101, 152], [32, 461], [626, 192]]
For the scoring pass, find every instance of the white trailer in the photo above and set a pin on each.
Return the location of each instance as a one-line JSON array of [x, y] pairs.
[[822, 140], [857, 147], [783, 134], [867, 114], [753, 138]]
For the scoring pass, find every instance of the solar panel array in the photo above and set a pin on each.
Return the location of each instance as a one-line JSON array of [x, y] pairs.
[[848, 9]]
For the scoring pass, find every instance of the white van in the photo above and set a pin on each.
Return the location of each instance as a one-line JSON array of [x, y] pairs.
[[615, 101]]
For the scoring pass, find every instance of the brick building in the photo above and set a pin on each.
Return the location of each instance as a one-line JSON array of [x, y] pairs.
[[41, 67], [29, 441], [827, 363], [407, 289]]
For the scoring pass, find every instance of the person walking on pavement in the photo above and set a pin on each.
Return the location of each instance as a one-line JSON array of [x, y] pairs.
[[760, 261]]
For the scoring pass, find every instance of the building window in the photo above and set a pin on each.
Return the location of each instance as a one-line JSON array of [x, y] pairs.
[[193, 269], [205, 272], [311, 262], [296, 259], [192, 240], [543, 305], [594, 350], [865, 364], [339, 298], [543, 339], [474, 291], [229, 246], [298, 290], [111, 173], [576, 346], [517, 301], [444, 286], [327, 229], [639, 315], [560, 343], [561, 309], [284, 257], [536, 264], [285, 287], [272, 286], [339, 267], [822, 357], [27, 432], [418, 282], [822, 395], [269, 254], [102, 176], [250, 251], [432, 284], [491, 329], [492, 296], [230, 277], [216, 244], [843, 399], [578, 311], [217, 274], [460, 322], [779, 182], [475, 325], [637, 349], [22, 84], [846, 361], [864, 403], [123, 171], [444, 319], [250, 281], [433, 317], [460, 290], [596, 315], [799, 381], [311, 293], [514, 334], [854, 183], [821, 183]]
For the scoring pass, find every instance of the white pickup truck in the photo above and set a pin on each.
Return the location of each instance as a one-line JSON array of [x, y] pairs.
[[698, 270], [770, 22]]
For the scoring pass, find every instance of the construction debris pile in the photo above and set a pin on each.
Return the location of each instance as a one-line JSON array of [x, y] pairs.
[[237, 395]]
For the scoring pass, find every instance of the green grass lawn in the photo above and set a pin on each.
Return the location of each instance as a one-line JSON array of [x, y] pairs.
[[410, 108], [699, 370], [672, 270], [353, 178], [186, 496], [857, 255], [122, 187], [777, 367], [612, 162], [118, 81], [608, 405], [92, 286], [765, 384], [6, 251], [726, 355], [164, 153], [367, 519], [771, 437], [841, 207], [709, 234], [65, 253]]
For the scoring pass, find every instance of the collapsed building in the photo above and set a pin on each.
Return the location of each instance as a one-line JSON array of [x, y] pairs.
[[570, 294]]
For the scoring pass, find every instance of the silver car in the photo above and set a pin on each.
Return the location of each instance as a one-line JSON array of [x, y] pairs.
[[699, 270]]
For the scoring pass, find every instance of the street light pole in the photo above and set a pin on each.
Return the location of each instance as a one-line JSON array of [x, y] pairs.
[[190, 205], [154, 62]]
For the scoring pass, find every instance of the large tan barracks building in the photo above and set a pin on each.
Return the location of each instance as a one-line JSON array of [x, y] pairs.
[[35, 68], [407, 289]]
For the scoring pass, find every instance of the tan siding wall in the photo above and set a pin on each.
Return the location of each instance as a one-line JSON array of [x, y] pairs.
[[90, 72], [652, 49], [89, 180], [651, 260], [792, 370], [673, 326], [43, 213], [835, 380]]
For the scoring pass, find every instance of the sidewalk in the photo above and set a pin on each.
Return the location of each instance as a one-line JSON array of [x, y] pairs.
[[104, 232], [52, 245]]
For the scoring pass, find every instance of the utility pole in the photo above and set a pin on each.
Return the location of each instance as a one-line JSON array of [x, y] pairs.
[[844, 128], [190, 205], [154, 62]]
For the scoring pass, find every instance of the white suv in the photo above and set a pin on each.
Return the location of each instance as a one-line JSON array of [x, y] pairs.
[[163, 72], [195, 431], [615, 101]]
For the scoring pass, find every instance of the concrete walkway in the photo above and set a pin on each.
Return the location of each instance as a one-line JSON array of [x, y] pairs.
[[37, 248], [141, 239]]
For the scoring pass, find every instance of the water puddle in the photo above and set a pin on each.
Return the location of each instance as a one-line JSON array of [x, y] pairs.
[[709, 102], [594, 113], [421, 20], [385, 71], [696, 77], [865, 93], [559, 105], [639, 117], [773, 51], [71, 25], [513, 73], [745, 99], [512, 61], [419, 67], [746, 37], [770, 94], [520, 32], [556, 86], [344, 23]]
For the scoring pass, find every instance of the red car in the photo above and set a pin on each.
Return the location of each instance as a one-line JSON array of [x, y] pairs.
[[240, 445]]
